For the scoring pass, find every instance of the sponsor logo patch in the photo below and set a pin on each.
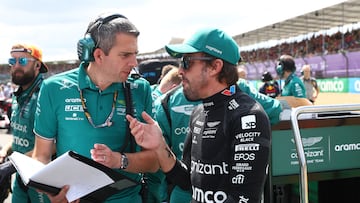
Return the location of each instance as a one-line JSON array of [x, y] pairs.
[[248, 122]]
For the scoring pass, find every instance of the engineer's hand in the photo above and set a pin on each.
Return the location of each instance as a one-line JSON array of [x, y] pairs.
[[104, 155], [61, 196]]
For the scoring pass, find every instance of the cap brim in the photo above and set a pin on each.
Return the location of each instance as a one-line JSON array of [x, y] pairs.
[[43, 68], [178, 50]]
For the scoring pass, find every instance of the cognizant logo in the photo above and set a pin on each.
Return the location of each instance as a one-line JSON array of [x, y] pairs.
[[208, 196], [182, 131], [209, 169], [19, 127]]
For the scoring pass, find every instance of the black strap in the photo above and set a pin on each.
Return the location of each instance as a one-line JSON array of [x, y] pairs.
[[129, 110], [165, 105], [130, 139]]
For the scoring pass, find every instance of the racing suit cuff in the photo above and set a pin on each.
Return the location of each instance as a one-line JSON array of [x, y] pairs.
[[179, 175]]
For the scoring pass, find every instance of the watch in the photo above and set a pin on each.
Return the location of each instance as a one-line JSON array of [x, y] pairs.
[[124, 161]]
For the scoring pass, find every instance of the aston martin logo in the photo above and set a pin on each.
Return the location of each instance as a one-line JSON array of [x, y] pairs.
[[213, 124], [66, 84], [185, 109], [308, 142]]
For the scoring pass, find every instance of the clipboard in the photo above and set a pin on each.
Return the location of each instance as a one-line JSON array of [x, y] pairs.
[[88, 179]]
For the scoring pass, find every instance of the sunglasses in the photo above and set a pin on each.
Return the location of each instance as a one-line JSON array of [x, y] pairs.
[[23, 61], [185, 61]]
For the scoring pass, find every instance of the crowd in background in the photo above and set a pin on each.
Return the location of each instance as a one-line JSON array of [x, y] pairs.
[[315, 46], [6, 91]]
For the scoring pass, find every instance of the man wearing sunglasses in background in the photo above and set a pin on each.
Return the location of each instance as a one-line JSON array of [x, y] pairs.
[[226, 153], [26, 68]]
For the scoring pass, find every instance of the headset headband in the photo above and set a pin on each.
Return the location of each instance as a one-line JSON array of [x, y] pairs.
[[103, 20]]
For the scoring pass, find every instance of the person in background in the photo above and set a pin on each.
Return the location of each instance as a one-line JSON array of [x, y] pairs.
[[242, 72], [168, 82], [26, 69], [165, 69], [311, 86], [270, 87], [286, 70], [157, 186], [8, 90], [84, 109], [2, 92], [216, 139]]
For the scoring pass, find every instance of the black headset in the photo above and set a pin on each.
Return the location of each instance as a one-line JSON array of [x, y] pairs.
[[87, 45]]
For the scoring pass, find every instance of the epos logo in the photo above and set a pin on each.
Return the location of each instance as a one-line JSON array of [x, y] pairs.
[[244, 156], [248, 122]]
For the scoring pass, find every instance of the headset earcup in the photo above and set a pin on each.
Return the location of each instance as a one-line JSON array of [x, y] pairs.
[[85, 48]]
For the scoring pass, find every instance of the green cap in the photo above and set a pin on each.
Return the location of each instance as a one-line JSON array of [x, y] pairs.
[[211, 41]]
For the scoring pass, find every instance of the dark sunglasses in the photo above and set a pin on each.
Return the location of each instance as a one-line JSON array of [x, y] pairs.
[[23, 61], [185, 61]]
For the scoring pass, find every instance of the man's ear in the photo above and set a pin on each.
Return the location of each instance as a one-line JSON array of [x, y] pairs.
[[98, 54], [217, 65], [38, 65]]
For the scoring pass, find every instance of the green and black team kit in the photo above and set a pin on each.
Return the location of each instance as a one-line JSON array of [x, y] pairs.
[[226, 153], [174, 108], [60, 116], [22, 122]]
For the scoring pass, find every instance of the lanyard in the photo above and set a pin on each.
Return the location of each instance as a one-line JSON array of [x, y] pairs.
[[34, 89], [108, 121]]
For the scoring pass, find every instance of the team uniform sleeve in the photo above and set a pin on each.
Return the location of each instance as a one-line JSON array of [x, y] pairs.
[[180, 173], [298, 89], [45, 114], [271, 106]]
